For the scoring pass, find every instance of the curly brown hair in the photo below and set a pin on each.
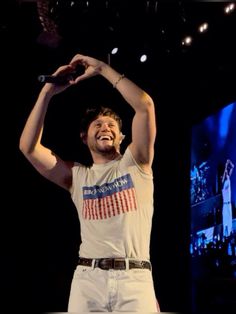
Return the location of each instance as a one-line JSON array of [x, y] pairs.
[[92, 113]]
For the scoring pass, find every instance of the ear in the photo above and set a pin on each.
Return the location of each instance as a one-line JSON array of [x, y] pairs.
[[122, 136], [83, 137]]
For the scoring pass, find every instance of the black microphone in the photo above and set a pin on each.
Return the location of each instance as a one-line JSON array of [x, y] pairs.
[[59, 80]]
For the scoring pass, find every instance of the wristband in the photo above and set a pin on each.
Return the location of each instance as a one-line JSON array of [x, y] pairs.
[[118, 80]]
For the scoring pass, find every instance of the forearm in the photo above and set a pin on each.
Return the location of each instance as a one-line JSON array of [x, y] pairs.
[[134, 95], [143, 123], [32, 132]]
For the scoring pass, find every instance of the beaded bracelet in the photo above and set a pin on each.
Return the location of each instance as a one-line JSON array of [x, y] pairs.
[[118, 80]]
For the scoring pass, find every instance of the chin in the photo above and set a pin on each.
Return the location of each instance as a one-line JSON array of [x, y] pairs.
[[107, 149]]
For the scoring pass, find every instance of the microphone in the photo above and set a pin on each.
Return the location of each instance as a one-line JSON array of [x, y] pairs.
[[59, 80]]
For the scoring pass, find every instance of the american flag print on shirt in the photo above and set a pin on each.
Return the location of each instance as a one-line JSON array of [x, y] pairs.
[[109, 199]]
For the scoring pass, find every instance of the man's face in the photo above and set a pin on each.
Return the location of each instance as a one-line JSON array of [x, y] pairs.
[[103, 135]]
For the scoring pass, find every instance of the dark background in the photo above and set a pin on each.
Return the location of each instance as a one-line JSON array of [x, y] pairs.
[[41, 236]]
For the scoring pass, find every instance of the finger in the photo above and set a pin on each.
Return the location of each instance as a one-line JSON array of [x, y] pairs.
[[77, 59], [64, 69], [81, 78]]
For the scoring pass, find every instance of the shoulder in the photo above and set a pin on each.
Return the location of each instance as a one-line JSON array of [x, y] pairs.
[[129, 160]]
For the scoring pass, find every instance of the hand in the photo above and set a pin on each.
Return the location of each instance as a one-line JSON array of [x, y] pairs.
[[57, 88], [92, 66]]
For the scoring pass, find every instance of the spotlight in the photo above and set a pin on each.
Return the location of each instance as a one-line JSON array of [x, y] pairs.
[[143, 58], [114, 50], [229, 8], [203, 27], [187, 41]]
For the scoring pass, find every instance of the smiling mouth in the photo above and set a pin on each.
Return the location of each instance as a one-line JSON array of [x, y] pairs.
[[105, 138]]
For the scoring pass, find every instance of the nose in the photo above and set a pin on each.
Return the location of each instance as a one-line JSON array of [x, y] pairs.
[[105, 126]]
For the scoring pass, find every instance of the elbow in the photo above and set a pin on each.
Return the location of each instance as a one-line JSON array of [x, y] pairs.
[[24, 148], [21, 146], [148, 103]]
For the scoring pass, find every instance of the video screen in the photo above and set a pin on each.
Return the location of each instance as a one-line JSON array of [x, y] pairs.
[[213, 209], [213, 182]]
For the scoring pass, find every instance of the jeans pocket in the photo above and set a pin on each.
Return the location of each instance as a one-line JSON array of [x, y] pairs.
[[80, 271]]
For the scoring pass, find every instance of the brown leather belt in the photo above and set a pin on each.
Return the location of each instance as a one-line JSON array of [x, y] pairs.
[[114, 263]]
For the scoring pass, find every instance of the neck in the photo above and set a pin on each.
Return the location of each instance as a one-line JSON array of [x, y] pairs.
[[99, 158]]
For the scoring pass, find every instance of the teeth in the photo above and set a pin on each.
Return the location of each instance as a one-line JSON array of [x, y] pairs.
[[105, 137]]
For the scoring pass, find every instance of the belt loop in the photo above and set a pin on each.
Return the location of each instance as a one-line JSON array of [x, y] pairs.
[[93, 263], [126, 263]]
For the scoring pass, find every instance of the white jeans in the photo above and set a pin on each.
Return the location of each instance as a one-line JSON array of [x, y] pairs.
[[97, 290]]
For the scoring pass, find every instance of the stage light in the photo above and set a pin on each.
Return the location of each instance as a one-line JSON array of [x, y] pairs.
[[203, 27], [114, 50], [143, 58], [229, 8], [49, 36], [187, 41]]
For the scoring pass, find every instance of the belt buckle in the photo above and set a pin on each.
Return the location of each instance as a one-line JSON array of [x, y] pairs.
[[119, 263], [104, 264]]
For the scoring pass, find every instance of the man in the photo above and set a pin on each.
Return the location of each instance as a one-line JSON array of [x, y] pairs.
[[227, 216], [113, 197]]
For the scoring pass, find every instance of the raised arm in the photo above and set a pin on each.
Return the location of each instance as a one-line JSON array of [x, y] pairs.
[[144, 124], [229, 167], [42, 158]]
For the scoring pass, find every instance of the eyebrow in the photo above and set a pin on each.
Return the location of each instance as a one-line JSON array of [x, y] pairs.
[[108, 120]]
